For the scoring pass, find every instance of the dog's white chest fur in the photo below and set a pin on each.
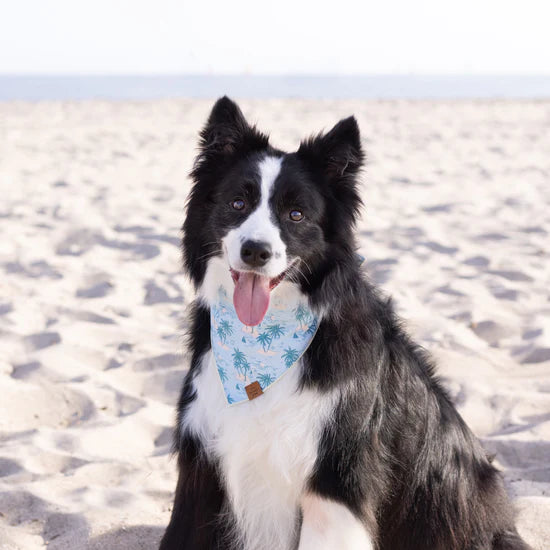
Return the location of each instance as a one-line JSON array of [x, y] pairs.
[[267, 450]]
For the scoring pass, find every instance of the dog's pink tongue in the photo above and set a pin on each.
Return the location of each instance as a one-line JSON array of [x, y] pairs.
[[251, 298]]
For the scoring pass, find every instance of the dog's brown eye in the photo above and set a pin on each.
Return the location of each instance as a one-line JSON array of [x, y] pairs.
[[296, 215], [238, 204]]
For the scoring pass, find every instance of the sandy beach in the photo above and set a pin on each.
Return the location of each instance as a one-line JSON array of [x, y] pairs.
[[92, 299]]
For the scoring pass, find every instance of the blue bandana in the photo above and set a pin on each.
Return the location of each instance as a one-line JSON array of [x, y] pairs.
[[251, 359]]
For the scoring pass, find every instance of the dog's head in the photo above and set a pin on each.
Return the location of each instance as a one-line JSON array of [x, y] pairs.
[[264, 216]]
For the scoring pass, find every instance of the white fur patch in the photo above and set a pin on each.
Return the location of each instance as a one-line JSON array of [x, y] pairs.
[[267, 450], [328, 525], [259, 225], [217, 273]]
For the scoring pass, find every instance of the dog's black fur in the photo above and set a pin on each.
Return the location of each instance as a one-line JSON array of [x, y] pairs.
[[397, 454]]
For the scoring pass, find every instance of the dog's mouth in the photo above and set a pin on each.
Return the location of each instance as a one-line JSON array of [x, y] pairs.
[[252, 294]]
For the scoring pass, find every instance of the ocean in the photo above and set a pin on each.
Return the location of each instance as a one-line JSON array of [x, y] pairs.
[[115, 87]]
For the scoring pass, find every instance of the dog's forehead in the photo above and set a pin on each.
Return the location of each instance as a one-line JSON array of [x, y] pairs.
[[270, 175], [292, 178], [247, 170]]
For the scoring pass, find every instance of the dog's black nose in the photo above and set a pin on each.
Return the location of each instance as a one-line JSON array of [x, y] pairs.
[[255, 253]]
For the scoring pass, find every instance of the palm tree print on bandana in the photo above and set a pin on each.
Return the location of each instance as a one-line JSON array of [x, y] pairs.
[[262, 353]]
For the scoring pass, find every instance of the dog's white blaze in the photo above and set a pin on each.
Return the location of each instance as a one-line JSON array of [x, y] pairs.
[[259, 225], [328, 525], [267, 449]]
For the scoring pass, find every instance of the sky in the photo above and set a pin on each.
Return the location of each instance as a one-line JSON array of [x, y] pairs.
[[274, 37]]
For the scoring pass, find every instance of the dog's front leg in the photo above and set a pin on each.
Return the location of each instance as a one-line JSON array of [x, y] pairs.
[[327, 524], [198, 503]]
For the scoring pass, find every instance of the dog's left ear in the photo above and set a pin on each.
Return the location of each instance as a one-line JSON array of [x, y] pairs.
[[337, 153]]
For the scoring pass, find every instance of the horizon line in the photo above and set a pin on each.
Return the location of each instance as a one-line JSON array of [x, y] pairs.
[[275, 75]]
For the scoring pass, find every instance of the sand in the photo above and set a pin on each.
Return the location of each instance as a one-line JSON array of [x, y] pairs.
[[92, 299]]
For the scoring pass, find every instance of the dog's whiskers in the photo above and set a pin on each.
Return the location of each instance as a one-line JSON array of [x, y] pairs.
[[210, 254], [307, 265], [295, 271]]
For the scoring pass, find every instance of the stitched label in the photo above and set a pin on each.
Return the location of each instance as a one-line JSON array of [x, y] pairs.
[[253, 390]]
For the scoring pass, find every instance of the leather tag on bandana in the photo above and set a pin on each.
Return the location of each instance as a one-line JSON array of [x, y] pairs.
[[253, 390]]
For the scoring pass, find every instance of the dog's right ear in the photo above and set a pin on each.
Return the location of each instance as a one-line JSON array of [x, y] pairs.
[[227, 131], [337, 153]]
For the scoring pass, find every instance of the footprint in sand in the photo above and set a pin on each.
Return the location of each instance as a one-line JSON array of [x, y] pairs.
[[34, 403], [41, 340], [125, 346], [144, 251], [78, 242], [447, 289], [136, 229], [9, 467], [380, 271], [511, 275], [164, 386], [165, 437], [439, 248], [126, 404], [534, 229], [155, 294], [61, 530], [5, 307], [114, 364], [166, 360], [135, 536], [532, 333], [123, 351], [477, 261], [23, 371], [97, 290], [66, 442], [146, 233], [503, 293], [438, 208], [461, 316], [91, 317], [164, 194], [538, 355], [163, 238], [19, 506], [36, 270], [491, 332], [492, 237]]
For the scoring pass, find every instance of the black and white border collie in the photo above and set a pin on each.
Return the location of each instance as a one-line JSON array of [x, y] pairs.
[[358, 446]]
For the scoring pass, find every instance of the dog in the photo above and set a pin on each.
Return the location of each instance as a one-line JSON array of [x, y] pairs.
[[346, 441]]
